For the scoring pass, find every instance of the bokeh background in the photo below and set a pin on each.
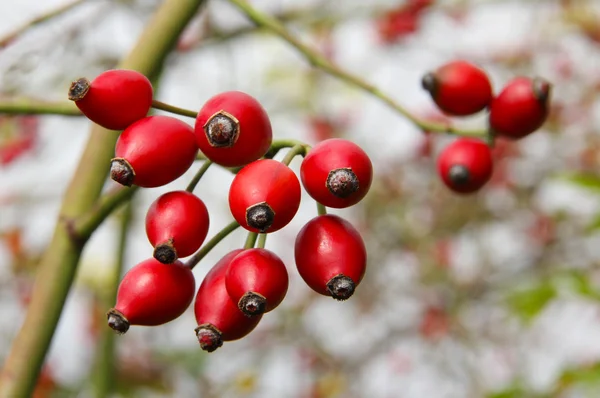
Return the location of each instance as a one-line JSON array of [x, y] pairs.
[[491, 295]]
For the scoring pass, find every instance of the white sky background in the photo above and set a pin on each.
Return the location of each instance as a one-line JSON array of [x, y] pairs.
[[564, 334]]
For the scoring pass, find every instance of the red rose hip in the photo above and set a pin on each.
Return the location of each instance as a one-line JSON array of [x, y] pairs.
[[336, 173], [330, 256], [152, 293], [232, 129], [264, 196], [153, 152], [465, 165], [257, 281], [521, 107], [115, 99], [459, 88], [218, 317], [176, 224]]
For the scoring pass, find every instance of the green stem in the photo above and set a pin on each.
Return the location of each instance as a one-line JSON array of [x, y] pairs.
[[58, 264], [32, 106], [192, 185], [321, 210], [208, 246], [321, 62], [250, 240], [85, 225], [173, 109], [262, 240], [104, 373], [299, 149]]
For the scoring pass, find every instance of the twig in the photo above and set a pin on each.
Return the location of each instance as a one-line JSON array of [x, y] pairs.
[[4, 41], [32, 106], [173, 109], [319, 61], [208, 246], [192, 185]]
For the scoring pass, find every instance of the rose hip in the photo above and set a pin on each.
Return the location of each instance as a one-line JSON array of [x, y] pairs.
[[465, 165]]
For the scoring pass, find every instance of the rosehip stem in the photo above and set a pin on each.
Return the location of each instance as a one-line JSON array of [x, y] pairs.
[[32, 106], [321, 210], [208, 246], [319, 61], [250, 240], [173, 109], [192, 185], [298, 149], [262, 240]]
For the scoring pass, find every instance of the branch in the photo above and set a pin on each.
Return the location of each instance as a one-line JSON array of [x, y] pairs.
[[319, 61], [4, 41], [59, 262], [32, 106]]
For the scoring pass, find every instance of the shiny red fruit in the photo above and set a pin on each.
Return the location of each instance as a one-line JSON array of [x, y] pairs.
[[465, 165], [521, 107], [459, 88], [176, 224], [331, 256], [257, 281], [153, 152], [232, 129], [219, 318], [336, 173], [152, 293], [264, 196], [115, 99]]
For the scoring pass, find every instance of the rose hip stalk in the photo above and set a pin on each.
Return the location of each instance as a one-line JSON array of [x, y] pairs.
[[465, 165], [336, 173], [115, 99], [218, 317], [176, 224], [153, 152], [330, 256], [257, 281], [264, 196], [232, 129], [152, 293]]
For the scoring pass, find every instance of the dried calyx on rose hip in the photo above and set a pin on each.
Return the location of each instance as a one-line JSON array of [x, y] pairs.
[[459, 88], [330, 256], [153, 151], [336, 173], [115, 99], [521, 107], [219, 318], [264, 196], [176, 224], [152, 293], [257, 281], [465, 165], [232, 129]]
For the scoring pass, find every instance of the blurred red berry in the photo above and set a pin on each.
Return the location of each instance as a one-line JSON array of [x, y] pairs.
[[465, 165]]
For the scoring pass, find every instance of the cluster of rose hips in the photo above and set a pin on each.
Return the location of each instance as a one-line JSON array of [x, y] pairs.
[[232, 130], [460, 88]]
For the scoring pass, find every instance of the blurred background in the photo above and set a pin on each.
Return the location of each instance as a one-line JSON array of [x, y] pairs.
[[492, 295]]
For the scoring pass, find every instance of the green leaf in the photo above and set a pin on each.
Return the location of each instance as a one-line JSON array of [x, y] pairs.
[[528, 303], [588, 181]]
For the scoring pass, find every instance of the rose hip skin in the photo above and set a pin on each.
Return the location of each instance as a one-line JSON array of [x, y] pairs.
[[176, 224], [218, 317], [336, 173], [459, 88], [232, 129], [152, 293], [330, 256], [520, 108], [153, 152], [115, 99], [257, 281], [264, 196], [465, 165]]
